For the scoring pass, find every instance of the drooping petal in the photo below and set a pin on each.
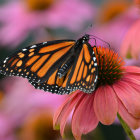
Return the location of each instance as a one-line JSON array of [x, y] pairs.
[[105, 105], [65, 109], [76, 100], [134, 76], [133, 81], [129, 97], [132, 69], [133, 122], [84, 119], [59, 113]]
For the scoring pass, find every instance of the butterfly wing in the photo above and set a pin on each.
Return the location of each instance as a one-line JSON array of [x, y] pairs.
[[84, 73], [39, 61]]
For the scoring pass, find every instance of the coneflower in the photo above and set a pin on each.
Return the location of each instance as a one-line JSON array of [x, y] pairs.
[[118, 91]]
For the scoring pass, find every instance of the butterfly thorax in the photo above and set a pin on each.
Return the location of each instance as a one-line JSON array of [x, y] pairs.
[[69, 62], [82, 40], [85, 38]]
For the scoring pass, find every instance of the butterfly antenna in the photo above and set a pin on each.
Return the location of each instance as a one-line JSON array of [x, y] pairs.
[[101, 40], [95, 41]]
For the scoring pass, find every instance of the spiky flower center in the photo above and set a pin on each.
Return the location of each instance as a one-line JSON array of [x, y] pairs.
[[39, 5], [109, 66]]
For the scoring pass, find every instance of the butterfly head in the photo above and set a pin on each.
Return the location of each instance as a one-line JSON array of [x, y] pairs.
[[85, 38]]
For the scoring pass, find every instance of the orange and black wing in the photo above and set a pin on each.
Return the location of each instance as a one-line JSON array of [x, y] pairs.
[[55, 66], [81, 75], [39, 63], [84, 73]]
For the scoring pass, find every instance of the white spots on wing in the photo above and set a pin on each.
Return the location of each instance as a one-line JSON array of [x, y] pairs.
[[5, 60], [24, 49], [44, 43], [95, 64], [96, 79], [33, 46], [94, 58]]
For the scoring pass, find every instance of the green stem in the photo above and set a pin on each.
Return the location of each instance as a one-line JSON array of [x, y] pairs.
[[126, 128]]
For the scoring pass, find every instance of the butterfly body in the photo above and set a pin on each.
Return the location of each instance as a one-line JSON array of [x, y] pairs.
[[60, 66]]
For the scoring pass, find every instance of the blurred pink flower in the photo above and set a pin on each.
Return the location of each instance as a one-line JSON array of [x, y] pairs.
[[6, 132], [137, 134], [117, 92], [22, 99], [39, 126], [137, 2], [114, 30], [18, 21], [132, 62], [131, 42]]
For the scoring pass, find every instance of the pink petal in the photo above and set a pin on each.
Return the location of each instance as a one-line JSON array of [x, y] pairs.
[[132, 75], [127, 117], [84, 119], [59, 113], [67, 112], [125, 45], [132, 78], [105, 105], [132, 69], [129, 97], [131, 41], [133, 81]]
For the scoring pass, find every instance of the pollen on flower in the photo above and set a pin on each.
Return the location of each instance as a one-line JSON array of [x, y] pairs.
[[109, 66]]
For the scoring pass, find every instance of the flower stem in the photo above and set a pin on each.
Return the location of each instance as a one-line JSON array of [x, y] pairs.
[[126, 128]]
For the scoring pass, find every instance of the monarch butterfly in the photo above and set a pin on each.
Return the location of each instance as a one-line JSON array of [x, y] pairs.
[[59, 66]]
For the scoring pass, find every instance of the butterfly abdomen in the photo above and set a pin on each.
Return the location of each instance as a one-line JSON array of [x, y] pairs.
[[65, 67]]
